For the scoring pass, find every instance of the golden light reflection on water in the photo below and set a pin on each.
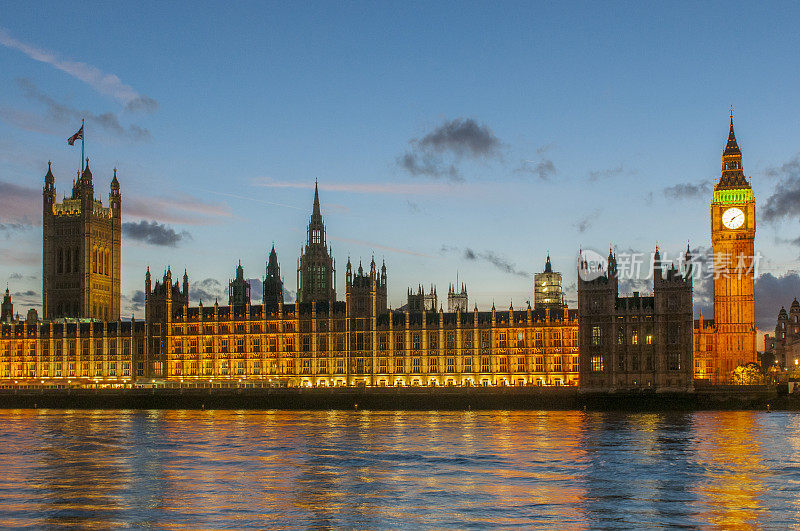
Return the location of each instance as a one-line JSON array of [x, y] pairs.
[[729, 451], [282, 469]]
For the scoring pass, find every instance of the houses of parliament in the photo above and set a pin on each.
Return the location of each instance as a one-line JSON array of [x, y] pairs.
[[353, 338]]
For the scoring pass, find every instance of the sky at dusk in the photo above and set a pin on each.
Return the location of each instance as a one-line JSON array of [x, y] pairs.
[[448, 139]]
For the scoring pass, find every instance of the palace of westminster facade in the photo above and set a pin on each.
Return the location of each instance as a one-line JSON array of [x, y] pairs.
[[609, 342]]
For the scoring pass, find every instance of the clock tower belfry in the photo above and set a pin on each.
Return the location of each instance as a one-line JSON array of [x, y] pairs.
[[733, 231]]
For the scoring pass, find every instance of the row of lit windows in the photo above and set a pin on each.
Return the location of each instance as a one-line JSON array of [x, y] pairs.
[[416, 365]]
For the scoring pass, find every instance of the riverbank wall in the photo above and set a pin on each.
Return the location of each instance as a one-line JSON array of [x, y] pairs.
[[390, 398]]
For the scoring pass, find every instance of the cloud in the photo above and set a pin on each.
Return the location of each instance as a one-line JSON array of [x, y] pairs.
[[183, 209], [104, 83], [543, 169], [137, 301], [154, 233], [413, 206], [688, 190], [256, 290], [428, 165], [787, 169], [64, 114], [20, 205], [489, 257], [208, 290], [771, 293], [785, 200], [596, 175], [435, 154], [8, 228], [288, 296], [585, 223]]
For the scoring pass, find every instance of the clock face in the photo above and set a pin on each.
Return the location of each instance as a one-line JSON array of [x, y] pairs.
[[733, 218]]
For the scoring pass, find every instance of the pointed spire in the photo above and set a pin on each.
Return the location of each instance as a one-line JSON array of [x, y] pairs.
[[731, 148], [114, 181], [49, 178], [316, 213], [547, 267]]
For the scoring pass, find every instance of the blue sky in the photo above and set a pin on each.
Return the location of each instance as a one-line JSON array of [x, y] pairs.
[[591, 124]]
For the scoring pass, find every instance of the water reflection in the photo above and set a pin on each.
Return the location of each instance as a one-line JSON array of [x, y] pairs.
[[384, 470]]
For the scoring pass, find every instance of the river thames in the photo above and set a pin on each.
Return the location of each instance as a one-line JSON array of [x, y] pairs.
[[389, 470]]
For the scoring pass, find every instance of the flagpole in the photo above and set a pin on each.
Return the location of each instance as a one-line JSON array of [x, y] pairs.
[[82, 143]]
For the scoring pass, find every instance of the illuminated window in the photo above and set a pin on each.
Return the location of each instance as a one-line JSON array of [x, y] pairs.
[[596, 336], [468, 364], [597, 363], [399, 365]]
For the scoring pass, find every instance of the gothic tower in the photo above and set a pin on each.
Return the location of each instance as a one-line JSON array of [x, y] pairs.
[[733, 230], [457, 300], [7, 311], [273, 284], [239, 289], [316, 274], [81, 250]]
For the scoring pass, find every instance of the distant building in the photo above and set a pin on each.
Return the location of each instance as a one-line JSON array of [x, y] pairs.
[[784, 346], [81, 250], [636, 342], [420, 300], [547, 289], [457, 300]]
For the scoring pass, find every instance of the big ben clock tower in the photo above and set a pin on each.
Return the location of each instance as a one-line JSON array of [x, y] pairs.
[[733, 230]]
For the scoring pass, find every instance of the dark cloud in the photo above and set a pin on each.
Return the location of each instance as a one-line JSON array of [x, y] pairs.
[[790, 168], [435, 154], [154, 233], [596, 175], [771, 293], [27, 293], [137, 301], [428, 165], [489, 257], [543, 169], [784, 203], [208, 290], [15, 276], [688, 190], [19, 206], [413, 206], [65, 114], [462, 137], [585, 223]]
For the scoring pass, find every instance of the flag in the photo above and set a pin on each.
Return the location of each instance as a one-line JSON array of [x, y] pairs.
[[77, 136]]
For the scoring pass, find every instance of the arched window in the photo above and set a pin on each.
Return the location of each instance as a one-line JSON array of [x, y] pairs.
[[76, 262], [67, 261], [94, 259], [106, 267], [60, 266]]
